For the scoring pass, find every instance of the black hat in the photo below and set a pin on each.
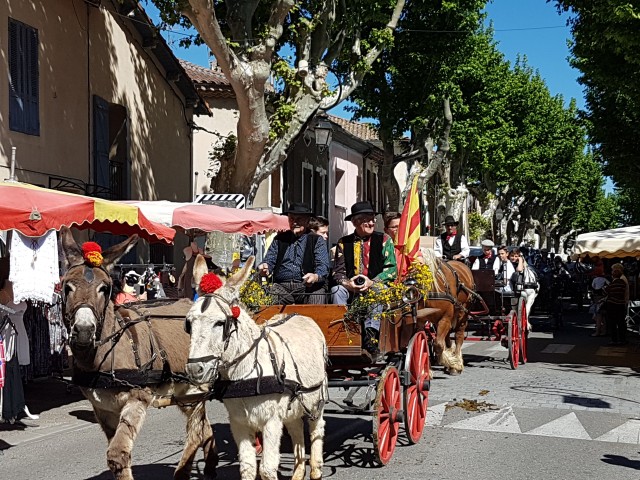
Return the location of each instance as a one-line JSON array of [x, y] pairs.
[[298, 209], [361, 207], [449, 220]]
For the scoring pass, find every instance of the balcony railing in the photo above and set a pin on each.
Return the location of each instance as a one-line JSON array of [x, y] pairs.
[[115, 191]]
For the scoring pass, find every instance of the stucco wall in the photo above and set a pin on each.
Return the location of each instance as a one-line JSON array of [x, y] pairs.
[[121, 72], [62, 148], [223, 122]]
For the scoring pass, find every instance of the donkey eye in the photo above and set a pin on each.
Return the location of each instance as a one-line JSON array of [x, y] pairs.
[[104, 289], [187, 326], [68, 289]]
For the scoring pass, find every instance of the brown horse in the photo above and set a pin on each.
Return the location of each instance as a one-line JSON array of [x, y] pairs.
[[448, 308], [125, 361]]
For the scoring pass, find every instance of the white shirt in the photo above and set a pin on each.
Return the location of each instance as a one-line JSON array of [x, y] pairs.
[[599, 283], [507, 273], [464, 246]]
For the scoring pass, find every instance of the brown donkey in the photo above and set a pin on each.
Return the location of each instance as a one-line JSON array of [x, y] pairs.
[[127, 361]]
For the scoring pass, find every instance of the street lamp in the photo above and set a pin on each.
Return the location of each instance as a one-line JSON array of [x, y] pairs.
[[323, 132], [499, 216]]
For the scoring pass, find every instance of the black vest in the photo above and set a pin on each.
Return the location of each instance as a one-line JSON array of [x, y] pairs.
[[376, 262], [285, 239], [448, 251], [487, 263]]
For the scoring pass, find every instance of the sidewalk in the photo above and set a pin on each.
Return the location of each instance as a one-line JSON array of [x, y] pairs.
[[59, 408]]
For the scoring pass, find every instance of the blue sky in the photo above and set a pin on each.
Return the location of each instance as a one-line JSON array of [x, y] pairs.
[[523, 27]]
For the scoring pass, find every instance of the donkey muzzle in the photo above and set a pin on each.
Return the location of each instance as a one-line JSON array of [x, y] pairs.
[[202, 371]]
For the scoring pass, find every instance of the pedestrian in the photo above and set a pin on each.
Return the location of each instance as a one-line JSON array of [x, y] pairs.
[[617, 299], [597, 301], [320, 226]]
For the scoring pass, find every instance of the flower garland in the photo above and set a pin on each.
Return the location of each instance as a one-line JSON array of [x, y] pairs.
[[254, 296], [390, 296]]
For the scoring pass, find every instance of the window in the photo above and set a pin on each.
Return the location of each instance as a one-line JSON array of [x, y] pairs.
[[110, 151], [24, 111]]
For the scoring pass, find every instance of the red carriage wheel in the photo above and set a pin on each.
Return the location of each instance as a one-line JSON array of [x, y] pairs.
[[387, 415], [524, 329], [514, 339], [416, 393]]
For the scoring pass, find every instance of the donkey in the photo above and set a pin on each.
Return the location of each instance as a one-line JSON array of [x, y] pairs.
[[111, 373], [267, 376]]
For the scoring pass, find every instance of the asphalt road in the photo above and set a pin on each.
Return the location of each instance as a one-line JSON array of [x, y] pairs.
[[570, 413]]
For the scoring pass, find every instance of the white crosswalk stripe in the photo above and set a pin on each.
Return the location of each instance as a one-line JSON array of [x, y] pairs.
[[505, 420], [567, 426]]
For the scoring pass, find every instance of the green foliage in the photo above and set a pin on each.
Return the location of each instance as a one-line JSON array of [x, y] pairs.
[[606, 50], [478, 226]]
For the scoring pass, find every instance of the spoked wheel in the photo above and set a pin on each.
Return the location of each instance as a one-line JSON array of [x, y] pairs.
[[416, 394], [524, 329], [387, 415], [514, 339]]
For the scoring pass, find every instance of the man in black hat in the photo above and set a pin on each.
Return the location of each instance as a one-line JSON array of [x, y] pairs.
[[365, 259], [451, 245], [298, 259]]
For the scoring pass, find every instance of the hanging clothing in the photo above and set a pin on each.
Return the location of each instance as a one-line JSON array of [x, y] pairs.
[[13, 393], [16, 340], [2, 362], [37, 326], [34, 269]]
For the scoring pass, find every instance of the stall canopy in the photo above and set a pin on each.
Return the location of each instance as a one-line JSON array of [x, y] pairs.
[[211, 218], [33, 211], [618, 242]]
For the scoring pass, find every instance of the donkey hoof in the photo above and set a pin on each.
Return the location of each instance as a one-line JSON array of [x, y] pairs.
[[454, 373]]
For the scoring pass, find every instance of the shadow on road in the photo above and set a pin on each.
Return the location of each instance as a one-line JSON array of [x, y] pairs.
[[621, 461]]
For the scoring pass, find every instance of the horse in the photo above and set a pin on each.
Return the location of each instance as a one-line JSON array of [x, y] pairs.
[[447, 307], [267, 375], [122, 379]]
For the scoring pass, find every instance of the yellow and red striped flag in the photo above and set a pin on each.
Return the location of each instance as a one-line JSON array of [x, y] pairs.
[[408, 241]]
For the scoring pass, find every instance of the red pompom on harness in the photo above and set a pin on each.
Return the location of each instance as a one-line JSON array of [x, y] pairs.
[[210, 283], [92, 254], [235, 311]]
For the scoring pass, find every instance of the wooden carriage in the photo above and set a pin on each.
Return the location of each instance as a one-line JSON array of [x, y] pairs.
[[502, 314]]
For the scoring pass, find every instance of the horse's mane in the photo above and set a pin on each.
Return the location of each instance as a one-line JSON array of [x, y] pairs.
[[433, 263]]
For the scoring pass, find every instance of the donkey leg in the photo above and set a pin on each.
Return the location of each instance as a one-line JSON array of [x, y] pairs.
[[295, 427], [108, 421], [119, 452], [271, 435], [244, 436], [316, 434], [199, 434]]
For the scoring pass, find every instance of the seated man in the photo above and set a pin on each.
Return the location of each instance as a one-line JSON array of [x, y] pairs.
[[391, 228], [365, 259], [504, 270], [488, 258], [298, 260], [451, 245]]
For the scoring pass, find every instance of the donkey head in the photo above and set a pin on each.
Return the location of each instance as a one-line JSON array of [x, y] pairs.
[[87, 289], [212, 324]]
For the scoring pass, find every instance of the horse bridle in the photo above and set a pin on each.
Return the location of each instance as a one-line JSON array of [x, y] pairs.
[[89, 277]]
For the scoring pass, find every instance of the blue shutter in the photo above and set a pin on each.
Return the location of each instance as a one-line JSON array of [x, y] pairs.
[[24, 83]]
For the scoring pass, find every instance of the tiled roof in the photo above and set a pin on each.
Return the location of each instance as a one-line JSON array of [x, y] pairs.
[[362, 131], [208, 81]]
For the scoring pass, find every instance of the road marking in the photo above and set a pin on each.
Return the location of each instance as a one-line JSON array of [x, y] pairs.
[[435, 414], [567, 426], [557, 348], [501, 421], [628, 432]]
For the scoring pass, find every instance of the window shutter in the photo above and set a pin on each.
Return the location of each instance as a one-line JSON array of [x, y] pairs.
[[24, 81]]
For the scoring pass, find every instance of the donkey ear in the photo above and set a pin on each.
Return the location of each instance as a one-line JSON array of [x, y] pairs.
[[72, 251], [115, 253], [241, 276], [200, 269]]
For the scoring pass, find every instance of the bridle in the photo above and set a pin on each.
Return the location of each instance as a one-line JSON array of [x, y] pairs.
[[89, 277], [229, 327]]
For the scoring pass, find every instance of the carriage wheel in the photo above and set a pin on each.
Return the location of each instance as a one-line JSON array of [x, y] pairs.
[[514, 339], [416, 393], [524, 330], [387, 415]]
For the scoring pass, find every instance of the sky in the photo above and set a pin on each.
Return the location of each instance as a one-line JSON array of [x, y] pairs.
[[522, 27]]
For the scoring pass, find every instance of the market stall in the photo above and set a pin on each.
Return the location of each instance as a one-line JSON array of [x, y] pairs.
[[614, 243]]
